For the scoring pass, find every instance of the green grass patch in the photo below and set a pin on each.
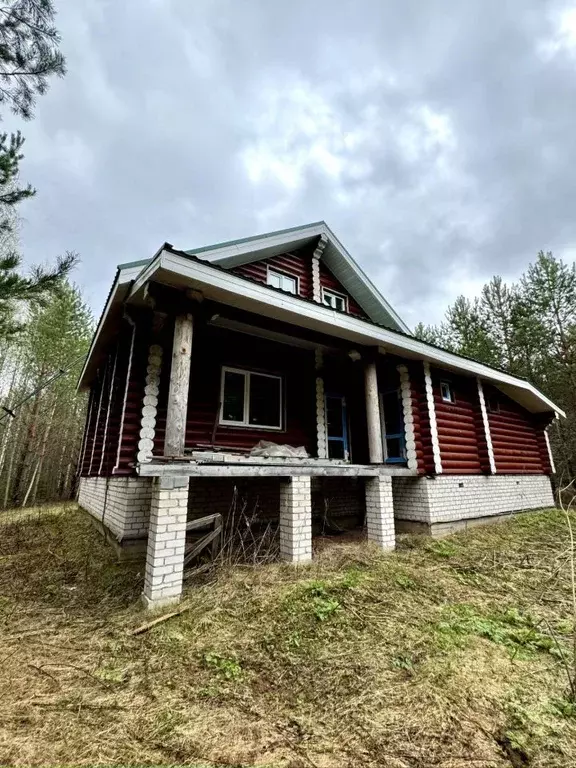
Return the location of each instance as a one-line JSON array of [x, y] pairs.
[[438, 654]]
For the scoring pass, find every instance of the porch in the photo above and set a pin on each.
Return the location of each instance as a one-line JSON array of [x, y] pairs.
[[185, 490], [232, 383]]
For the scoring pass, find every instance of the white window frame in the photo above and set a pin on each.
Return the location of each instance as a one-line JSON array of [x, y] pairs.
[[337, 294], [451, 398], [246, 415], [493, 404], [282, 274]]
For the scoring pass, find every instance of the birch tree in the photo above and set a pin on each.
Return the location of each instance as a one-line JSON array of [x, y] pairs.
[[43, 436]]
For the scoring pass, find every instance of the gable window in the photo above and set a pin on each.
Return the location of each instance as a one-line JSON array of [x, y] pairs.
[[334, 300], [446, 392], [493, 404], [250, 399], [284, 282]]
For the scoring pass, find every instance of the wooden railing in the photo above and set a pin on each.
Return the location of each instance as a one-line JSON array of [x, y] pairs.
[[213, 537]]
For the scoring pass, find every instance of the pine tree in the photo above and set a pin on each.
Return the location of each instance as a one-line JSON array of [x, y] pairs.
[[29, 56], [29, 53]]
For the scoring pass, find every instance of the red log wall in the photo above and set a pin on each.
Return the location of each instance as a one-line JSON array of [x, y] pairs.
[[517, 437], [458, 424], [294, 264], [327, 280], [106, 405], [213, 348], [298, 265]]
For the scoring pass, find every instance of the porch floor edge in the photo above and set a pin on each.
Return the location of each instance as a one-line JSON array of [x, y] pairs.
[[181, 468]]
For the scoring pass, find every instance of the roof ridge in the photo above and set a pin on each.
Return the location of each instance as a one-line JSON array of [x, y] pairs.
[[251, 238]]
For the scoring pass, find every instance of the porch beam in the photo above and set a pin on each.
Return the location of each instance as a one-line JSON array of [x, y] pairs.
[[375, 452], [179, 384], [192, 469]]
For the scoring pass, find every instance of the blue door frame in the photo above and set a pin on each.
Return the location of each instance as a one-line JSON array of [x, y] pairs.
[[391, 437], [339, 436]]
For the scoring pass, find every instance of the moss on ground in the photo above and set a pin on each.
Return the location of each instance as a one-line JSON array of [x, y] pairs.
[[446, 653]]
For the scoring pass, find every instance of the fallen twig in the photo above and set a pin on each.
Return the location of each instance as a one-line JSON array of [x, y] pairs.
[[145, 627]]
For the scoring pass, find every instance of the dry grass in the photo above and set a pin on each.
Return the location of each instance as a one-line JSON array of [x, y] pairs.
[[439, 655]]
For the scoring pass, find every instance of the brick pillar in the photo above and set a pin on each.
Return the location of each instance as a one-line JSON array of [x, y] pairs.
[[296, 520], [380, 511], [166, 542]]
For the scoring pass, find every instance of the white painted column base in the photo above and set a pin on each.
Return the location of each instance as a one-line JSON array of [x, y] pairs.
[[296, 520], [166, 542], [380, 511]]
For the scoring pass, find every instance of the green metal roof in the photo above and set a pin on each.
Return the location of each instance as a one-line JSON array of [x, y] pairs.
[[254, 237]]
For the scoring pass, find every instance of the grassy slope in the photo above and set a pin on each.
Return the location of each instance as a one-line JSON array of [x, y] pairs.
[[437, 655]]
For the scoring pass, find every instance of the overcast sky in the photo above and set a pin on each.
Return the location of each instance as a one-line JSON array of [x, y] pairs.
[[437, 139]]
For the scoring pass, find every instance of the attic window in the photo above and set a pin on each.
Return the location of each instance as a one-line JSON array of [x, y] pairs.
[[493, 404], [284, 282], [446, 392], [334, 300]]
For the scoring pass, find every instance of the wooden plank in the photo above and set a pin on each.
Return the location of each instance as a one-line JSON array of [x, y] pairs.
[[201, 544], [202, 521]]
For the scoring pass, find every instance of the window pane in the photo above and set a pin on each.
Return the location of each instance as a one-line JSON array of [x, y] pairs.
[[335, 449], [288, 284], [392, 413], [446, 391], [274, 279], [334, 417], [233, 405], [279, 280], [265, 407], [333, 300], [395, 448]]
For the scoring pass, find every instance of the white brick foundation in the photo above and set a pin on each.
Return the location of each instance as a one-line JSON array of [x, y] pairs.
[[380, 511], [450, 501], [296, 519], [166, 542], [121, 504]]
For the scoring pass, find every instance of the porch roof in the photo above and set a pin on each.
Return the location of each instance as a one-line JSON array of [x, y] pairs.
[[182, 270]]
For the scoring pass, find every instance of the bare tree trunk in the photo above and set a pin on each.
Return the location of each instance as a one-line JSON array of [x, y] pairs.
[[25, 464], [43, 452], [30, 484]]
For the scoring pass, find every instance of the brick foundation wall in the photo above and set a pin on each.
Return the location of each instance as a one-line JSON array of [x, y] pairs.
[[122, 504], [451, 498]]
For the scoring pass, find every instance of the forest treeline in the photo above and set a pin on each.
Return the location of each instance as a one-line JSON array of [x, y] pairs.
[[44, 326], [528, 328], [40, 443]]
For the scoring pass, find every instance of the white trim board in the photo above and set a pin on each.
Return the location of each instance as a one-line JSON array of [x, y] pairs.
[[179, 271]]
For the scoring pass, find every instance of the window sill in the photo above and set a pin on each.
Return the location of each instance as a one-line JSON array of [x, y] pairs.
[[233, 425]]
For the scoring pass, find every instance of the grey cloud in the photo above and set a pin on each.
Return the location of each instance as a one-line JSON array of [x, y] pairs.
[[436, 140]]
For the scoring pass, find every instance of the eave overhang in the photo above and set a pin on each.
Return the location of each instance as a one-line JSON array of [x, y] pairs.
[[181, 271]]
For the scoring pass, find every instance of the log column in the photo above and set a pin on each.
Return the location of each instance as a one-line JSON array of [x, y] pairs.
[[375, 451], [179, 384]]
